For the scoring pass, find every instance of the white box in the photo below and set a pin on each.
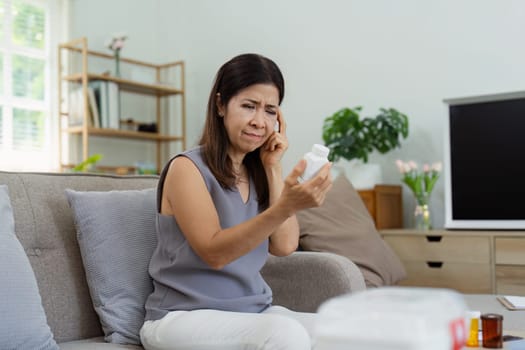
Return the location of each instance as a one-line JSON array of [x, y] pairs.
[[397, 318]]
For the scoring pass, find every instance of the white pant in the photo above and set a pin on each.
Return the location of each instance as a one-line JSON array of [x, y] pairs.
[[274, 329]]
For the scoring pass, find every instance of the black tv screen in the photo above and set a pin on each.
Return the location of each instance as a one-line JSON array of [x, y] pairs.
[[485, 162]]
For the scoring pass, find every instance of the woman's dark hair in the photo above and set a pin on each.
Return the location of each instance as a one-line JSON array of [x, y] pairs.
[[235, 75]]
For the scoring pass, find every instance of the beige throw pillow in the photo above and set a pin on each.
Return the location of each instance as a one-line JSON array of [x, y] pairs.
[[342, 225]]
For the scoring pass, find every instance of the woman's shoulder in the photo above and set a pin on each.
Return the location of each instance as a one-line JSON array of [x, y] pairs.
[[192, 155], [190, 158], [188, 166], [195, 154], [192, 151], [182, 159]]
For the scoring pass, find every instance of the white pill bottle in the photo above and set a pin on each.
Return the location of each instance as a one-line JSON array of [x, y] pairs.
[[315, 161]]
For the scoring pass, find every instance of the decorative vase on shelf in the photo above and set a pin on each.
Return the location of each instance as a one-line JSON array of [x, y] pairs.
[[115, 44], [422, 219], [421, 184], [117, 63]]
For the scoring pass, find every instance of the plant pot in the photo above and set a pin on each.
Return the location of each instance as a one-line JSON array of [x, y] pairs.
[[362, 175], [336, 170]]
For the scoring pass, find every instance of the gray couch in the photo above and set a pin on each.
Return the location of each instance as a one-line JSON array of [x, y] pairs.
[[44, 225]]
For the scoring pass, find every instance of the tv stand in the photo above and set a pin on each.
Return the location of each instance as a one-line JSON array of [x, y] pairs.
[[467, 261]]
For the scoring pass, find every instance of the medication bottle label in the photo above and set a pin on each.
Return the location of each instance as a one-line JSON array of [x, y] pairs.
[[457, 333]]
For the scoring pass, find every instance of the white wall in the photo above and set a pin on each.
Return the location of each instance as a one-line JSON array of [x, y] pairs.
[[406, 54], [98, 20]]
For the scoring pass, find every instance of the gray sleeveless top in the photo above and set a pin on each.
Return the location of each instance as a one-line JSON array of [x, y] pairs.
[[183, 281]]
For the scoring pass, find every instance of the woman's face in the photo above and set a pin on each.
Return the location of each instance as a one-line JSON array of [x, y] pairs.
[[250, 117]]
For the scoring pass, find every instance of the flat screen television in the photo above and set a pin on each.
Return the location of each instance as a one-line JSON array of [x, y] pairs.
[[485, 162]]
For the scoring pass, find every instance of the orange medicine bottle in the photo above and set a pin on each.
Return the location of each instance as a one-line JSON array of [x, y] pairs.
[[473, 328]]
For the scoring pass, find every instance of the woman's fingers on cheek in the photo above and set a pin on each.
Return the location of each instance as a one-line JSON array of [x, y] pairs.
[[278, 137], [284, 140], [271, 144], [274, 144], [280, 144]]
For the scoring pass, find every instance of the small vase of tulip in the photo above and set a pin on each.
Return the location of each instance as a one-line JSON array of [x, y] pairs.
[[421, 183]]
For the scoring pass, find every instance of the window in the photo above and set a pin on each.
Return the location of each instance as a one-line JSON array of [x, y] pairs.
[[27, 120]]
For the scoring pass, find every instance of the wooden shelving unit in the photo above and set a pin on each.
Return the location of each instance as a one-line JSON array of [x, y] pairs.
[[74, 72], [139, 135]]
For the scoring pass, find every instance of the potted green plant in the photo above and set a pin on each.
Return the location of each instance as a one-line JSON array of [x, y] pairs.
[[351, 137]]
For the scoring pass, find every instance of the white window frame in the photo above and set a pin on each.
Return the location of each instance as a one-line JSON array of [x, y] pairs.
[[45, 159]]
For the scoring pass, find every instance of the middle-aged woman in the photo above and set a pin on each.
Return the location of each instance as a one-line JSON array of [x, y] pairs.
[[222, 207]]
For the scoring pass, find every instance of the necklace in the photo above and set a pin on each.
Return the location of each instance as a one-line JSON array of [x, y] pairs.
[[240, 180], [241, 176]]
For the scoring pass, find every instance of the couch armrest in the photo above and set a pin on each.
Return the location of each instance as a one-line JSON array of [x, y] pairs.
[[303, 280]]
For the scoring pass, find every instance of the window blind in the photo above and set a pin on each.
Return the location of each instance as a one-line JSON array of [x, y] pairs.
[[26, 141]]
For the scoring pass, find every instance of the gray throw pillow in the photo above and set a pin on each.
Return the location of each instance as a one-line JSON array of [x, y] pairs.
[[116, 235], [23, 323]]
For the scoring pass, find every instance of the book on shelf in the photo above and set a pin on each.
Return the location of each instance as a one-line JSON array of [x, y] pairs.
[[75, 113], [93, 108], [512, 302], [113, 105], [104, 119], [76, 108], [107, 97]]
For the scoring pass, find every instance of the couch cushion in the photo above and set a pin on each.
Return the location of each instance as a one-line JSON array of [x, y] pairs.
[[342, 225], [116, 234], [23, 323], [96, 344], [44, 226]]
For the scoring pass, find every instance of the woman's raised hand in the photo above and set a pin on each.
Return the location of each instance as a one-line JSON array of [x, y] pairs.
[[273, 149], [312, 193]]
